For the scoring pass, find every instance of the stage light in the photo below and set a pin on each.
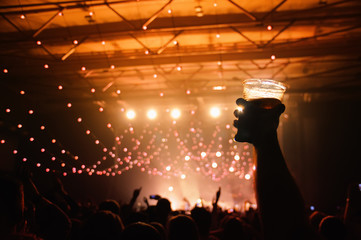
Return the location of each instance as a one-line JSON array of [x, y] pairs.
[[130, 114], [175, 113], [269, 27], [214, 165], [187, 158], [151, 114], [170, 189], [236, 157], [247, 176], [60, 87], [218, 154], [46, 66], [231, 169], [203, 154], [273, 57], [38, 43], [168, 168], [183, 176], [215, 112], [219, 88]]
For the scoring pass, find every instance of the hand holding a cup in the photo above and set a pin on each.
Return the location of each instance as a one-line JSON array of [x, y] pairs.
[[256, 124], [259, 110]]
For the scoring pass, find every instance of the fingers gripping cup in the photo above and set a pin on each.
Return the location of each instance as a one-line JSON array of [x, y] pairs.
[[265, 93]]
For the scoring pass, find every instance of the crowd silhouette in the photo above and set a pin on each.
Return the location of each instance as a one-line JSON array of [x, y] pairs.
[[27, 214]]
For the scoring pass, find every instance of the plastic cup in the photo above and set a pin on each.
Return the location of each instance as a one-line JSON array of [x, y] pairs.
[[266, 93]]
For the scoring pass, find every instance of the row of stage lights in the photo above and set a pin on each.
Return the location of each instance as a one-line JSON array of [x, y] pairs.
[[175, 113]]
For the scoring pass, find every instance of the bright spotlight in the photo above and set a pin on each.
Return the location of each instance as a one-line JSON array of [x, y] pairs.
[[175, 113], [170, 189], [215, 112], [130, 114], [152, 114], [183, 176], [247, 176], [214, 165]]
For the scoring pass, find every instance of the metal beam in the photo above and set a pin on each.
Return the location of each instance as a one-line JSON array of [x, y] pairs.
[[245, 37], [273, 10], [161, 49], [72, 50], [155, 15], [275, 36], [248, 14], [47, 23], [121, 16]]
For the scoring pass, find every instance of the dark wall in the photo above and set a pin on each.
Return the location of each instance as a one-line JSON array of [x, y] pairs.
[[322, 147]]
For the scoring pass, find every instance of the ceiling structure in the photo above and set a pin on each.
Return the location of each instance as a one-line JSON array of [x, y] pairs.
[[116, 55], [148, 48]]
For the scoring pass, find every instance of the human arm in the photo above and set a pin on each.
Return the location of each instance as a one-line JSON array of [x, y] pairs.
[[280, 203], [214, 216], [136, 193]]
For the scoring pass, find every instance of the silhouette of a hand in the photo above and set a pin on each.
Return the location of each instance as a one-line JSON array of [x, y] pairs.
[[254, 122], [136, 192]]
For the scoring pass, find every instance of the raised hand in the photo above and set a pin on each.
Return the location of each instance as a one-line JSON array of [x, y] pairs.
[[136, 192], [256, 121], [218, 194]]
